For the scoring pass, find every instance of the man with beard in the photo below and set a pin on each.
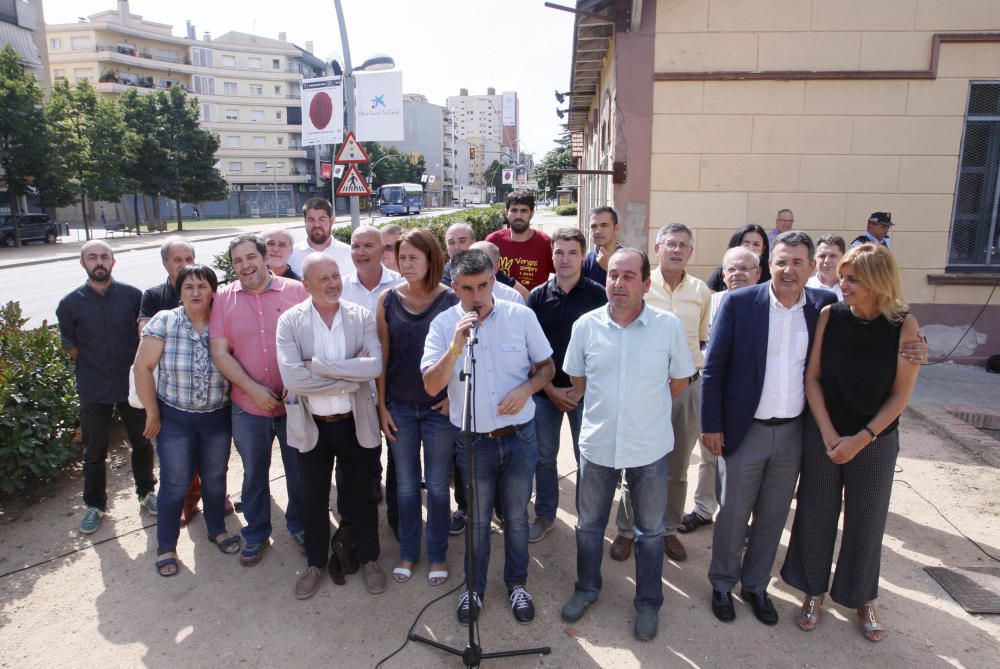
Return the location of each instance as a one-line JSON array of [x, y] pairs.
[[318, 214], [97, 326], [525, 254], [243, 329]]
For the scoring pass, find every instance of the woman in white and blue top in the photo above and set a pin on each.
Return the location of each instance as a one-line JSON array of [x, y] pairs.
[[187, 411]]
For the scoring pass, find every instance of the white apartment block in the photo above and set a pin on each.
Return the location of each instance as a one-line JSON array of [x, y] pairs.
[[481, 117], [248, 88]]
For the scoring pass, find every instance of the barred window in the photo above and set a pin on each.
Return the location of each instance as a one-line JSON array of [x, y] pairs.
[[974, 244]]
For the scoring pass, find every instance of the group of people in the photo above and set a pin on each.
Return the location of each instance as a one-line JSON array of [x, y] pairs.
[[785, 378]]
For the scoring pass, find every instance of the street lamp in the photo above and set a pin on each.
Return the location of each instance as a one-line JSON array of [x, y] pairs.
[[274, 170], [373, 64]]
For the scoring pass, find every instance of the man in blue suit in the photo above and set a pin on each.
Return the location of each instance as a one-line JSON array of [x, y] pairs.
[[752, 406]]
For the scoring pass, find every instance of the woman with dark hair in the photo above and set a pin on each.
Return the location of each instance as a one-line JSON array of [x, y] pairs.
[[753, 237], [187, 411], [857, 384], [410, 416]]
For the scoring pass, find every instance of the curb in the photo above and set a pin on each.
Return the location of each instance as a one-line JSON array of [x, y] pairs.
[[945, 424]]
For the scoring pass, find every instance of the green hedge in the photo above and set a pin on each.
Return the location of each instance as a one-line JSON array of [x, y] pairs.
[[39, 402], [566, 210]]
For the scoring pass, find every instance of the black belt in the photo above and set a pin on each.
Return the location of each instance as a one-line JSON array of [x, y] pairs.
[[694, 377], [501, 432], [335, 418], [771, 422]]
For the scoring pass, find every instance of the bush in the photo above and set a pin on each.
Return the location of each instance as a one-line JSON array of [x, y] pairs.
[[566, 210], [38, 399]]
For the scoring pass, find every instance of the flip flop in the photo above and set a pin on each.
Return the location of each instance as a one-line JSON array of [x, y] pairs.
[[229, 545], [401, 574], [437, 578], [166, 566]]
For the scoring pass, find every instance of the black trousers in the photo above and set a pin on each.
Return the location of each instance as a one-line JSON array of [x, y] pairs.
[[338, 443], [95, 426]]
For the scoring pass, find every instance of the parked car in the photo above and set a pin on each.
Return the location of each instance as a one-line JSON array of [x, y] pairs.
[[34, 228]]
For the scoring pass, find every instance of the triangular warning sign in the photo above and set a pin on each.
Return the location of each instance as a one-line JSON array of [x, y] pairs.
[[352, 183], [351, 151]]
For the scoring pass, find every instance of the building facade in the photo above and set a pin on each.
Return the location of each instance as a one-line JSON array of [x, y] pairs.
[[720, 113], [424, 134]]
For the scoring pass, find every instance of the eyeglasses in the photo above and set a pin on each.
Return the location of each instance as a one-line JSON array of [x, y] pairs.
[[676, 246], [741, 270]]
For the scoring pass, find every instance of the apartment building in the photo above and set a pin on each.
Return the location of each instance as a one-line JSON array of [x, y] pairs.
[[424, 134], [248, 88], [717, 113], [482, 116], [22, 25]]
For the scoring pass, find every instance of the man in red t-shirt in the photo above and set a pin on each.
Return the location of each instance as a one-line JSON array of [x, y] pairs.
[[525, 254]]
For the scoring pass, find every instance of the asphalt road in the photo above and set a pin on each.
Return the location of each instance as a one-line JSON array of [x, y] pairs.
[[40, 287]]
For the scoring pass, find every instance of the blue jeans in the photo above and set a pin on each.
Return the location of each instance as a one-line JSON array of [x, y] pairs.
[[191, 442], [648, 485], [501, 467], [254, 438], [548, 423], [418, 424]]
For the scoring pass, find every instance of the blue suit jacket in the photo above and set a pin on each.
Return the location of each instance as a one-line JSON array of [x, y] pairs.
[[733, 376]]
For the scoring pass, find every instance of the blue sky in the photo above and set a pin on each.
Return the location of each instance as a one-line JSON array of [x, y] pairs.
[[439, 45]]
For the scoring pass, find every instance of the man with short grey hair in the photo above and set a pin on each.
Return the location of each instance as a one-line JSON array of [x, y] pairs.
[[783, 222], [279, 249]]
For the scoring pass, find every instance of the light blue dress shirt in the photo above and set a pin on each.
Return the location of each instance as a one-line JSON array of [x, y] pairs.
[[627, 406], [510, 341]]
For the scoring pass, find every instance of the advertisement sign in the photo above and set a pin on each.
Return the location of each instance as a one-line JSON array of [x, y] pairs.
[[509, 108], [508, 176], [322, 111], [379, 105]]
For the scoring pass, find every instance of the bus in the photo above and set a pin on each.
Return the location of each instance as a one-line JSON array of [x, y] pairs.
[[400, 199]]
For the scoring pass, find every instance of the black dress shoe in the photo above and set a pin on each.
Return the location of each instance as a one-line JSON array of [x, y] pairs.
[[762, 607], [722, 606]]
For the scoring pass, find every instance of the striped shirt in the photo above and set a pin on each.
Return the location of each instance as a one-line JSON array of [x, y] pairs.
[[187, 378]]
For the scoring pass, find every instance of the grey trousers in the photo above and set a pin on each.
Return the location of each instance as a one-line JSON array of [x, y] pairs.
[[759, 478], [685, 418], [865, 485], [706, 501]]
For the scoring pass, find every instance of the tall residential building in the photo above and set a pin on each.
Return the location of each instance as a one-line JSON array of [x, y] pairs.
[[248, 88], [22, 25], [481, 117], [424, 134]]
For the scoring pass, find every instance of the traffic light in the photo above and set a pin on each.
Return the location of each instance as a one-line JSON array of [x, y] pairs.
[[472, 153]]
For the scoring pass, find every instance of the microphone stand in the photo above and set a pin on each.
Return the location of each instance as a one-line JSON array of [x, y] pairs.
[[473, 653]]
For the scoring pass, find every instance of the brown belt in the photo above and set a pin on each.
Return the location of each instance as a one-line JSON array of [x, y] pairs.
[[335, 418], [771, 422], [501, 432]]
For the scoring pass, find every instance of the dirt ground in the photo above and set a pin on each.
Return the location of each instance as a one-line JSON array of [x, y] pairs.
[[96, 601]]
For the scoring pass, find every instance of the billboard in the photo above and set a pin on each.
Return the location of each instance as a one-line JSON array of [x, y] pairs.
[[322, 111], [510, 108], [379, 105]]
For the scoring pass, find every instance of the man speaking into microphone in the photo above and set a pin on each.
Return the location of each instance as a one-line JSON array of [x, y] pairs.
[[513, 361]]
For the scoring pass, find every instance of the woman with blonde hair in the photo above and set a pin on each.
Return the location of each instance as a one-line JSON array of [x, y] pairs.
[[857, 387]]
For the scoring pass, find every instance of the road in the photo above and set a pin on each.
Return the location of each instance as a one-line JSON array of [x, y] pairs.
[[40, 287]]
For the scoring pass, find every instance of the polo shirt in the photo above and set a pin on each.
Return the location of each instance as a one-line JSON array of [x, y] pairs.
[[627, 406], [355, 291], [510, 341], [158, 298], [557, 310], [691, 301], [249, 324], [337, 250], [102, 328]]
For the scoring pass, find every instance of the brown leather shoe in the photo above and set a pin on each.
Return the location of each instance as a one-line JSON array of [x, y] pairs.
[[308, 583], [621, 548], [374, 577], [674, 549]]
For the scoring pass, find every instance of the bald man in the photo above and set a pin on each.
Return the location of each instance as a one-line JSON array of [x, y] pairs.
[[97, 326]]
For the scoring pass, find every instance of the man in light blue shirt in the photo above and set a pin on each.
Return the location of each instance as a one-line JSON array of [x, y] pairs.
[[513, 361], [632, 360]]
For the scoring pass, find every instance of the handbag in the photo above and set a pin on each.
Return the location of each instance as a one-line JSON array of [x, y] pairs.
[[133, 395]]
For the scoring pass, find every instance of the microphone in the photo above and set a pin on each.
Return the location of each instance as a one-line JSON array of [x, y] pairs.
[[474, 330]]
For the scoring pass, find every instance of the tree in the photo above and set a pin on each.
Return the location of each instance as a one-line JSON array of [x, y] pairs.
[[494, 178], [558, 158], [23, 142], [394, 166], [89, 138]]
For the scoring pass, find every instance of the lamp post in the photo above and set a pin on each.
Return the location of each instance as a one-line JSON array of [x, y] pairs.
[[371, 65], [274, 171]]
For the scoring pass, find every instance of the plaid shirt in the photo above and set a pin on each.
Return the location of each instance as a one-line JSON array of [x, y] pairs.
[[187, 379]]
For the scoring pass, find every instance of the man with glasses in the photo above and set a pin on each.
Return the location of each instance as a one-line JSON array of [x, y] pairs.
[[878, 230], [783, 222]]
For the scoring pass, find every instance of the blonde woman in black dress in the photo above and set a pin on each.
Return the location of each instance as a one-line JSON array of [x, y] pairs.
[[857, 385]]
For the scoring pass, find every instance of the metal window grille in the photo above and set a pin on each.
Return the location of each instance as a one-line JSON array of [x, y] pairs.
[[976, 219]]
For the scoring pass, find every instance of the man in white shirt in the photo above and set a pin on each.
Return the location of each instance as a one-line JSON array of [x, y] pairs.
[[318, 214], [830, 249], [513, 362]]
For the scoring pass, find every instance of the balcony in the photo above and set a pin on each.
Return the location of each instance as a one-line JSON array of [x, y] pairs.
[[148, 55]]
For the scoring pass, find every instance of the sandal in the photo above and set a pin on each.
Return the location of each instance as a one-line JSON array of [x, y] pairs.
[[227, 543], [871, 626], [166, 565], [691, 522], [437, 577], [401, 574], [253, 552], [808, 615]]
